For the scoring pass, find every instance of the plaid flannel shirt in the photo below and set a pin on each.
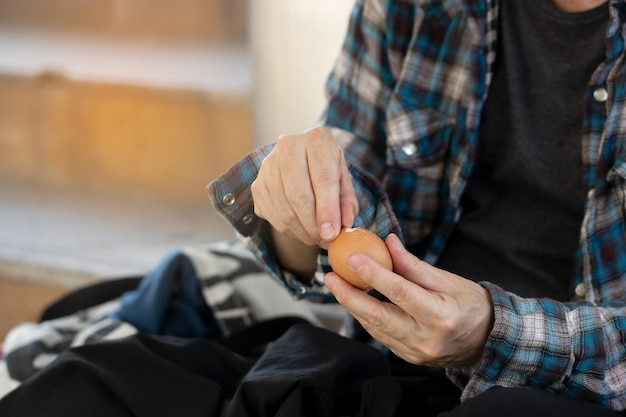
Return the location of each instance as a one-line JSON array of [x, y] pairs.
[[404, 101]]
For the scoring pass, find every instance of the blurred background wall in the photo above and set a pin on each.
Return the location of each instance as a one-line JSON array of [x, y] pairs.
[[156, 96], [294, 44], [184, 19]]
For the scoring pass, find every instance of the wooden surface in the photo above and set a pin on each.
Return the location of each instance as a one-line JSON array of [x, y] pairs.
[[161, 142], [23, 301]]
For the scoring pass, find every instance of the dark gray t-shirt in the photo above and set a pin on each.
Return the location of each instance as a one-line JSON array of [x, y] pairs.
[[523, 205]]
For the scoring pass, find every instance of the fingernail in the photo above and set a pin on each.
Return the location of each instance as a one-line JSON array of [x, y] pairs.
[[327, 232]]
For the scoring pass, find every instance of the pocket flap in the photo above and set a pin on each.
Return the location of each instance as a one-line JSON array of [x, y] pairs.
[[417, 136]]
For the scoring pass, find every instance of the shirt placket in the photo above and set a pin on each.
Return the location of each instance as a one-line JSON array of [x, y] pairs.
[[598, 154]]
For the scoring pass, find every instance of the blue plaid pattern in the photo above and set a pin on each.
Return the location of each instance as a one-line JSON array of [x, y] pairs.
[[404, 101]]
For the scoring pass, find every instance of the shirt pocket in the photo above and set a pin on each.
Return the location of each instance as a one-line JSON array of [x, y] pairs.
[[604, 236], [418, 136], [610, 203]]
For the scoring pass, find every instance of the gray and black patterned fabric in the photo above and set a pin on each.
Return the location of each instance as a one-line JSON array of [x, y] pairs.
[[208, 291]]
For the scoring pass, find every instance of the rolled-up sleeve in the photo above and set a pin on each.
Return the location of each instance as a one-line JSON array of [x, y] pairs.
[[232, 198], [576, 349]]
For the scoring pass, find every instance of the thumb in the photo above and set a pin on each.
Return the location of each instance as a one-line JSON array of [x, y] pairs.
[[410, 266]]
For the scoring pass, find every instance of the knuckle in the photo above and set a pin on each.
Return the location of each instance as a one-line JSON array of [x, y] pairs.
[[299, 197], [374, 321], [317, 133], [416, 263], [258, 212], [325, 177], [289, 218], [283, 140], [283, 146], [399, 292], [320, 137], [447, 326], [255, 188]]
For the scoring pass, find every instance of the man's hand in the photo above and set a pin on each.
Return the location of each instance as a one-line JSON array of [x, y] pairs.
[[304, 189], [434, 318]]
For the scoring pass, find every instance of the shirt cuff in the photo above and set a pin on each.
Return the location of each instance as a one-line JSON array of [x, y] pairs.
[[231, 197], [529, 345]]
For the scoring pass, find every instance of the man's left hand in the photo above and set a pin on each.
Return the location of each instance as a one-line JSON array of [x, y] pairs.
[[433, 317]]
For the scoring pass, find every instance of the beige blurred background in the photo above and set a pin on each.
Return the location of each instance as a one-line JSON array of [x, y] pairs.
[[115, 114]]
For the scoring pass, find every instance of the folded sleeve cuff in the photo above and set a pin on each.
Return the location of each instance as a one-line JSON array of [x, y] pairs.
[[231, 197], [529, 345]]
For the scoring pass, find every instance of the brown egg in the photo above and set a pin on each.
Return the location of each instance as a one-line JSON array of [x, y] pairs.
[[356, 240]]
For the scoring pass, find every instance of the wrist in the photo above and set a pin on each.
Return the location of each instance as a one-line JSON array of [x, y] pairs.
[[294, 256]]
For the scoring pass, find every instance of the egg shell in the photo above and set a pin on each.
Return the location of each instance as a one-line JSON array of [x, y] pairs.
[[356, 240]]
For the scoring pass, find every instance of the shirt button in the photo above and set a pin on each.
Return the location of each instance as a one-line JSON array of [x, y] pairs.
[[580, 290], [409, 149], [247, 219], [601, 95], [228, 199]]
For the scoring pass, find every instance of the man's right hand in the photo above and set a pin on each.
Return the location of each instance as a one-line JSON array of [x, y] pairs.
[[304, 189]]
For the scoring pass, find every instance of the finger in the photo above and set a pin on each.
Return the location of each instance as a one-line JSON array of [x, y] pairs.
[[396, 341], [325, 159], [290, 189], [286, 222], [297, 205], [347, 197], [298, 193], [384, 321], [358, 302], [361, 304], [411, 298], [276, 210], [412, 268]]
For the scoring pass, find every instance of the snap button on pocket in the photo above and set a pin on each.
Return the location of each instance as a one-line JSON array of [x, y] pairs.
[[228, 199], [409, 149]]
